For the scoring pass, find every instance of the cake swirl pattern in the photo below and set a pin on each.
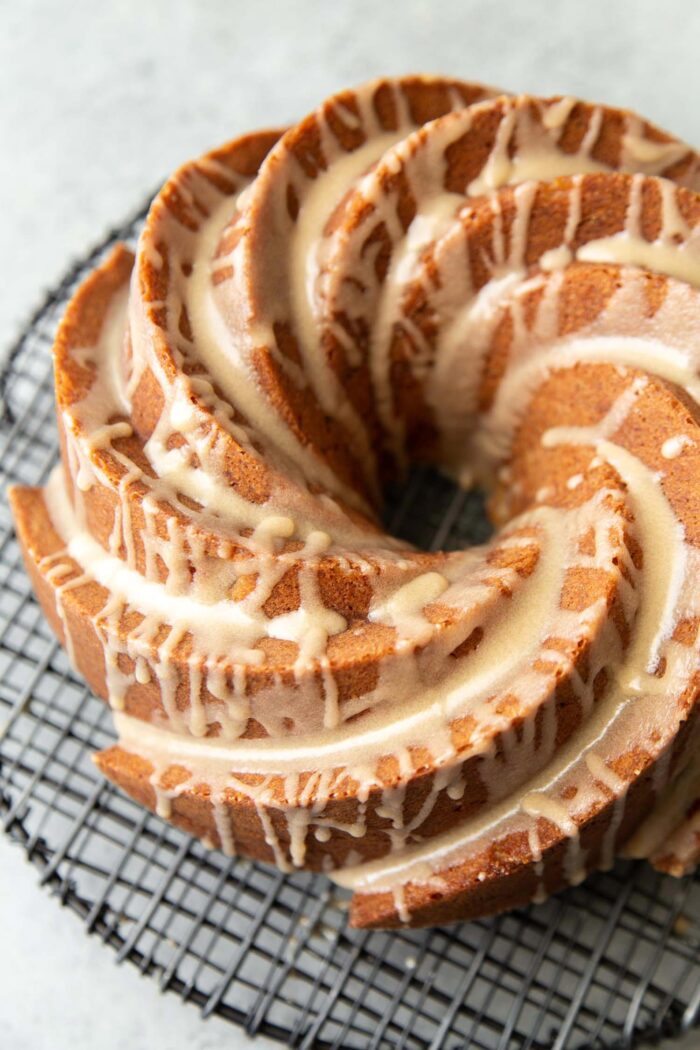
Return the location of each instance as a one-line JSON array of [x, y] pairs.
[[422, 269]]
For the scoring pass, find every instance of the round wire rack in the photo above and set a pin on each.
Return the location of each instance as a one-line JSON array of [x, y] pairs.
[[608, 964]]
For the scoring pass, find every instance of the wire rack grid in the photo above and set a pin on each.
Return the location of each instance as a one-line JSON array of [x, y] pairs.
[[606, 965]]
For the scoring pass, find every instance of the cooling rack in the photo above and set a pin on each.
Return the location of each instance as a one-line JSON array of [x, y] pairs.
[[606, 965]]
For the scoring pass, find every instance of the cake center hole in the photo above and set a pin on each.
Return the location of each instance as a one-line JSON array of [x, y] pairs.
[[433, 513]]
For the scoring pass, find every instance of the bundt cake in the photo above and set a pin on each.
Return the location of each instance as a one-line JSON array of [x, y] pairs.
[[421, 270]]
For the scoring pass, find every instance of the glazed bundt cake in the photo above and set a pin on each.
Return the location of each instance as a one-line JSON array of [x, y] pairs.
[[421, 270]]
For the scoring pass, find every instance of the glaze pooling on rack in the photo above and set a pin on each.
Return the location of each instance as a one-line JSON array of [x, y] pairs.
[[420, 269]]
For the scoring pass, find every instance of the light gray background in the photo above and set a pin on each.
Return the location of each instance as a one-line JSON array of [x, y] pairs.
[[98, 102]]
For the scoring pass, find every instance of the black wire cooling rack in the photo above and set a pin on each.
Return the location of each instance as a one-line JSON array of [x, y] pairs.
[[608, 964]]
